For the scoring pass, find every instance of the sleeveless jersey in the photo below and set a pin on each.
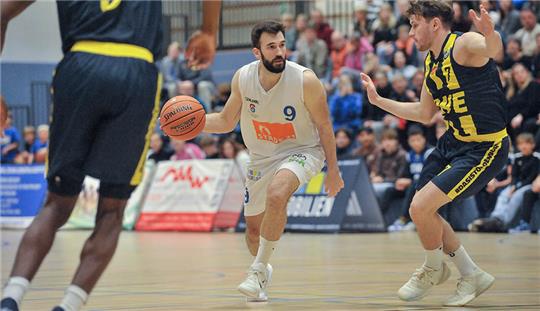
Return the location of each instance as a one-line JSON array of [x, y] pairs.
[[120, 21], [275, 122], [471, 99]]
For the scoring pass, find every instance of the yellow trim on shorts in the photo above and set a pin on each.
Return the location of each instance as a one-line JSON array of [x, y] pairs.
[[498, 136], [113, 49], [138, 175], [476, 170]]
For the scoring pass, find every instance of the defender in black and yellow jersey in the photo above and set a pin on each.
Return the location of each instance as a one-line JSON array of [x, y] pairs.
[[106, 99], [461, 81]]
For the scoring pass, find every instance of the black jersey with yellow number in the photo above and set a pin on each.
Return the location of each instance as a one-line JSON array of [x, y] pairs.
[[471, 99], [132, 22]]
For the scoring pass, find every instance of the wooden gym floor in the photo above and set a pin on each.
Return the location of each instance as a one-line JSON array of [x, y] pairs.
[[200, 271]]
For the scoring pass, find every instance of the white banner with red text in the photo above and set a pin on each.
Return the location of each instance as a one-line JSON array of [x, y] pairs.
[[193, 195]]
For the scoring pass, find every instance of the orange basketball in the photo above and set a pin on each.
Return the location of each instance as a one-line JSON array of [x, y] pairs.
[[182, 118]]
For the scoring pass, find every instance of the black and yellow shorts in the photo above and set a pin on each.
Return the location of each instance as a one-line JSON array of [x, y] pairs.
[[105, 107], [461, 169]]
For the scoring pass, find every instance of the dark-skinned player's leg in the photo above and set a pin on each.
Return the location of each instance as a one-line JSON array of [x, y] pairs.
[[97, 252], [35, 245]]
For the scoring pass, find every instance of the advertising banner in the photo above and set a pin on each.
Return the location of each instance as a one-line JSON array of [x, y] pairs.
[[187, 195], [22, 191]]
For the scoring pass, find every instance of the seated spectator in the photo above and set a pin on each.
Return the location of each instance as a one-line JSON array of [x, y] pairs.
[[223, 94], [530, 198], [399, 66], [416, 158], [357, 50], [390, 165], [324, 31], [372, 115], [287, 20], [525, 168], [401, 7], [384, 31], [26, 156], [187, 88], [229, 149], [338, 53], [41, 144], [159, 150], [510, 22], [487, 197], [405, 44], [169, 68], [514, 55], [528, 33], [9, 141], [312, 52], [294, 33], [346, 106], [344, 139], [536, 60], [185, 151], [461, 22], [368, 149], [361, 24], [523, 106], [209, 144], [201, 78]]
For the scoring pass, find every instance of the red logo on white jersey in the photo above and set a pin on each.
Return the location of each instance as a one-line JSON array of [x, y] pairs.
[[274, 132]]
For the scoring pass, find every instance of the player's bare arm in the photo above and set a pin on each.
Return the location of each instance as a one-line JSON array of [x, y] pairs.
[[201, 47], [422, 111], [225, 120], [315, 101], [9, 10], [474, 49]]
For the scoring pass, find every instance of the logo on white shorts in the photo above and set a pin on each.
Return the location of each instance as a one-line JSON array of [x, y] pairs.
[[254, 174], [298, 158]]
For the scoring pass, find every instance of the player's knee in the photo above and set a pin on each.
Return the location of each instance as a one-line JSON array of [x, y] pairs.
[[416, 211], [276, 197]]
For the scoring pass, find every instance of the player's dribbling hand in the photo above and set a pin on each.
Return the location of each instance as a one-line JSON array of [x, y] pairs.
[[483, 24], [333, 183], [200, 50], [370, 88]]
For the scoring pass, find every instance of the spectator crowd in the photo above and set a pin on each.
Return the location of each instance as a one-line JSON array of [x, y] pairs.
[[394, 150]]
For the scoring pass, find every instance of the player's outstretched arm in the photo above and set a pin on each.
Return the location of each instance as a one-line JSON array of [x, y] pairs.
[[9, 10], [473, 49], [201, 47], [422, 111], [315, 101], [225, 120]]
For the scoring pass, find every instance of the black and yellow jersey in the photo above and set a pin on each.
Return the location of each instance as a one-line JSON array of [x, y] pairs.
[[471, 99], [131, 22]]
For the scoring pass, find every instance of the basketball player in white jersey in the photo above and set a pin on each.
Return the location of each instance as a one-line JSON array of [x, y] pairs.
[[286, 127]]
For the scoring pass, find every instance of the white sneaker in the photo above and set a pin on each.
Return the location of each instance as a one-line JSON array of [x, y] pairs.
[[422, 281], [256, 281], [470, 287], [263, 295]]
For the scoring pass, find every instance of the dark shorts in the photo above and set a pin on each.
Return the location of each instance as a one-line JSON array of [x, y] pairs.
[[103, 115], [461, 169]]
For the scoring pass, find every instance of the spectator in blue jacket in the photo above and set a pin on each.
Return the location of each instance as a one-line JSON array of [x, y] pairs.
[[346, 106]]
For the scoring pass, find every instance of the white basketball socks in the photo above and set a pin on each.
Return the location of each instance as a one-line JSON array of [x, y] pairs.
[[265, 251], [74, 298], [434, 258], [463, 262], [15, 289]]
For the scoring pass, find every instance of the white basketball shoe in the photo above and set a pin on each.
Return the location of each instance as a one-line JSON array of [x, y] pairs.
[[470, 287], [422, 281], [257, 281]]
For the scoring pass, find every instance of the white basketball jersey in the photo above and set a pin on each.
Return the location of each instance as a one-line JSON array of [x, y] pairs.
[[275, 122]]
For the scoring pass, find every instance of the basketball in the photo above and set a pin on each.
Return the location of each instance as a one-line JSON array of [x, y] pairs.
[[182, 118]]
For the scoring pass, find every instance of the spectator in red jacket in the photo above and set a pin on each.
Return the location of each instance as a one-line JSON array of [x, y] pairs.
[[324, 31]]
